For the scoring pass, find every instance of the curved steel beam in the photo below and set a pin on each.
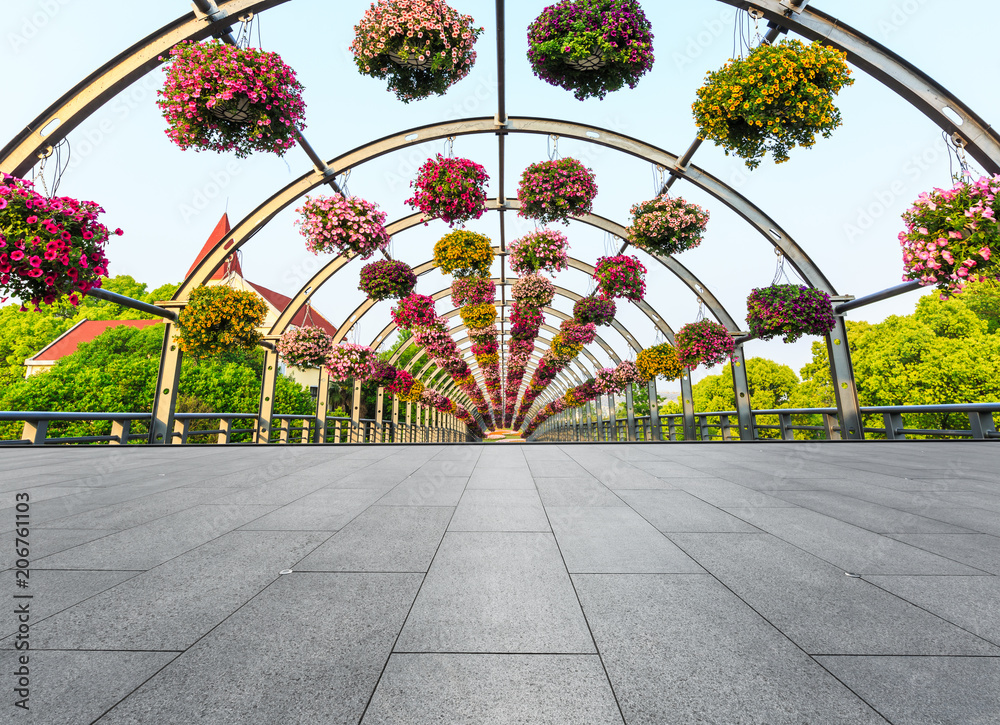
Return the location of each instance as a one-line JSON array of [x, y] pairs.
[[83, 99], [921, 91]]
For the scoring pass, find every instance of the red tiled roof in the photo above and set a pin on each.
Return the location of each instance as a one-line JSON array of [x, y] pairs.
[[306, 316], [232, 262], [85, 331]]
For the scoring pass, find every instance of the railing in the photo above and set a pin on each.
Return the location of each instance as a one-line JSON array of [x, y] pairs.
[[230, 428], [881, 422]]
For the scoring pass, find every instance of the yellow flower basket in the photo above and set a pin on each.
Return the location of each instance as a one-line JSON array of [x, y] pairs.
[[478, 316], [220, 318], [464, 254], [659, 361]]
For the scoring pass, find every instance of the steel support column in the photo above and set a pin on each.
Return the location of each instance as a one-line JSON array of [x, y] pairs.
[[322, 396], [844, 386], [741, 393], [267, 386], [630, 413], [687, 403], [655, 433], [356, 435], [161, 426]]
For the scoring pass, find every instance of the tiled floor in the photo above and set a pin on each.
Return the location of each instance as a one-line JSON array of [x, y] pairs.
[[732, 584]]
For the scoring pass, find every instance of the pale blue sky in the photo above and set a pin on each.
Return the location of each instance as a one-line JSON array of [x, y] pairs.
[[841, 200]]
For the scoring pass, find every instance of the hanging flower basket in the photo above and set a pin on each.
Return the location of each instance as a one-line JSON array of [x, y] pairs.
[[540, 250], [387, 279], [790, 310], [667, 225], [703, 343], [451, 189], [533, 290], [605, 383], [464, 254], [220, 318], [348, 361], [951, 236], [594, 309], [436, 342], [422, 47], [621, 276], [778, 97], [627, 373], [553, 191], [342, 225], [49, 248], [576, 331], [305, 347], [591, 47], [415, 311], [383, 373], [525, 321], [473, 290], [406, 387], [218, 97], [659, 361], [478, 316], [564, 348]]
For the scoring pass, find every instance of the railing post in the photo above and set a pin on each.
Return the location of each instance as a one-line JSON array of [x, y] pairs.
[[981, 424], [725, 428], [844, 386], [322, 396], [121, 427], [225, 425], [831, 423], [284, 426], [161, 424], [306, 429], [379, 412], [267, 387], [893, 426], [395, 419], [600, 418], [35, 431], [356, 435], [741, 393], [785, 421], [612, 418], [629, 413], [706, 432], [656, 432], [687, 404]]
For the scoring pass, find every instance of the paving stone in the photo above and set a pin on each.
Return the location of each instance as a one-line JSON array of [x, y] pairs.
[[974, 520], [309, 649], [171, 606], [501, 478], [542, 689], [557, 469], [499, 510], [683, 649], [614, 540], [981, 551], [867, 515], [431, 491], [971, 602], [724, 494], [576, 492], [383, 538], [819, 608], [78, 687], [131, 513], [496, 592], [670, 469], [925, 690], [679, 511], [324, 510], [52, 541], [852, 549], [146, 546]]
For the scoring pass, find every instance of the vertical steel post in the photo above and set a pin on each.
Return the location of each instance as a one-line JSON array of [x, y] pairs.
[[741, 392], [409, 423], [395, 419], [656, 433], [612, 419], [379, 411], [161, 425], [687, 403], [268, 383], [629, 413], [322, 398], [844, 386], [600, 418], [356, 436]]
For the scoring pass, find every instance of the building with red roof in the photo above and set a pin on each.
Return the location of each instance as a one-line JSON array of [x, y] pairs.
[[69, 341]]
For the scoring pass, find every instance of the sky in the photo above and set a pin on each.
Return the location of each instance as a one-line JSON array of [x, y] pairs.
[[841, 201]]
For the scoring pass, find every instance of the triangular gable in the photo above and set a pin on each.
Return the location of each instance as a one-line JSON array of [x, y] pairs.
[[232, 263]]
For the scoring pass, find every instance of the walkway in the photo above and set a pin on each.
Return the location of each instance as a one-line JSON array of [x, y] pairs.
[[576, 584]]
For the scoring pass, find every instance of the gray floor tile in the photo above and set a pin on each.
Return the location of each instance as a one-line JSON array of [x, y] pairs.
[[383, 538], [583, 491], [679, 511], [149, 545], [173, 605], [67, 688], [670, 469], [557, 469], [328, 509], [614, 540], [52, 541], [138, 511], [538, 689], [309, 649], [683, 649], [501, 478], [925, 690], [496, 592], [871, 516], [499, 510], [725, 494], [853, 549], [819, 608], [431, 491], [981, 551]]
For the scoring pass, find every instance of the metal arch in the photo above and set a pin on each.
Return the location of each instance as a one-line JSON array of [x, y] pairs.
[[921, 91], [254, 221], [78, 103]]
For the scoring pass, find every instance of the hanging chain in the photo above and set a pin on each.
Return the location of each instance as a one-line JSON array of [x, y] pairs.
[[449, 147], [60, 161], [956, 154], [659, 179], [701, 310], [245, 36], [553, 147], [342, 182]]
